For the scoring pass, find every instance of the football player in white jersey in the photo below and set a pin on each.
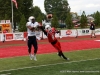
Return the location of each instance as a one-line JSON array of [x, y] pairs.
[[31, 36]]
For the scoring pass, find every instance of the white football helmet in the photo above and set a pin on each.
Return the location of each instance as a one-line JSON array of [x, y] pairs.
[[48, 27], [30, 18]]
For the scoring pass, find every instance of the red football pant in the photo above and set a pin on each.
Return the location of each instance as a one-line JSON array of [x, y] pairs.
[[57, 46]]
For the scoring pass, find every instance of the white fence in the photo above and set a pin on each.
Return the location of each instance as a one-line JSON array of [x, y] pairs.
[[64, 33]]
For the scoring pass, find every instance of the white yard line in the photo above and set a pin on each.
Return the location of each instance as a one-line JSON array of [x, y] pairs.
[[48, 65], [6, 74]]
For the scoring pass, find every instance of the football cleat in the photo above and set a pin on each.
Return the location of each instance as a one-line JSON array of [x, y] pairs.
[[59, 54], [34, 57], [31, 56]]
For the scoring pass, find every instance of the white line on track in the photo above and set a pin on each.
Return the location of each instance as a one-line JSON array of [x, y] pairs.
[[48, 65]]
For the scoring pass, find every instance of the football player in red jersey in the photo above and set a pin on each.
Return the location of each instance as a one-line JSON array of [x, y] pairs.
[[50, 33], [54, 30]]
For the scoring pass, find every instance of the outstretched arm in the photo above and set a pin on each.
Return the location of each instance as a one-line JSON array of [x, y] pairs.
[[41, 27], [57, 31]]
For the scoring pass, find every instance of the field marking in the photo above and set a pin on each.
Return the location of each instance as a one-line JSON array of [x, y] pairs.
[[48, 65], [6, 74], [97, 40]]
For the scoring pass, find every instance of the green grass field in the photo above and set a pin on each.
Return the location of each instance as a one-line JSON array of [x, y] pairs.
[[86, 62]]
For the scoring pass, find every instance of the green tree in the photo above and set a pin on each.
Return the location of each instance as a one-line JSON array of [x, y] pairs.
[[83, 20], [6, 17], [39, 18], [5, 9], [36, 12], [68, 21], [97, 19], [25, 7], [59, 6], [22, 24], [54, 21]]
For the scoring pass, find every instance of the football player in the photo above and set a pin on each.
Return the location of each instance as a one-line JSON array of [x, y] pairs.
[[50, 33]]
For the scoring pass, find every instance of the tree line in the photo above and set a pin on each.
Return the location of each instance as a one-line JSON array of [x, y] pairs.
[[25, 9], [60, 9]]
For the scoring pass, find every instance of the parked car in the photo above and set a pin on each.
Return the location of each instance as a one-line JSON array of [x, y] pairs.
[[62, 25]]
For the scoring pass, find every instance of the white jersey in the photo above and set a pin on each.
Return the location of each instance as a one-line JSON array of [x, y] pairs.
[[30, 32]]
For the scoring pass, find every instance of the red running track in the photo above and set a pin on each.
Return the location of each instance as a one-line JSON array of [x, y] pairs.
[[48, 48]]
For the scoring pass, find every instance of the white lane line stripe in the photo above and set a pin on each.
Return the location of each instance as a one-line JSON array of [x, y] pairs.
[[6, 74], [48, 65]]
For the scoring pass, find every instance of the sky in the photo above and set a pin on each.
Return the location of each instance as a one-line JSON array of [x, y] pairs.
[[89, 6]]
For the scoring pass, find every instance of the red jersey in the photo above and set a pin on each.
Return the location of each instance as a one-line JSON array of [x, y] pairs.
[[51, 35], [53, 30]]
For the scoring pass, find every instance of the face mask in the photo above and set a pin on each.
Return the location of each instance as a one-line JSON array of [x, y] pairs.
[[33, 21], [49, 28]]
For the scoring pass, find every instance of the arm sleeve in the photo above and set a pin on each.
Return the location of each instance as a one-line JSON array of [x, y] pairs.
[[43, 30], [58, 31], [28, 23], [36, 24]]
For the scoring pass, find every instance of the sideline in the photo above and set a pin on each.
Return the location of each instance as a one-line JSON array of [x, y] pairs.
[[50, 53]]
